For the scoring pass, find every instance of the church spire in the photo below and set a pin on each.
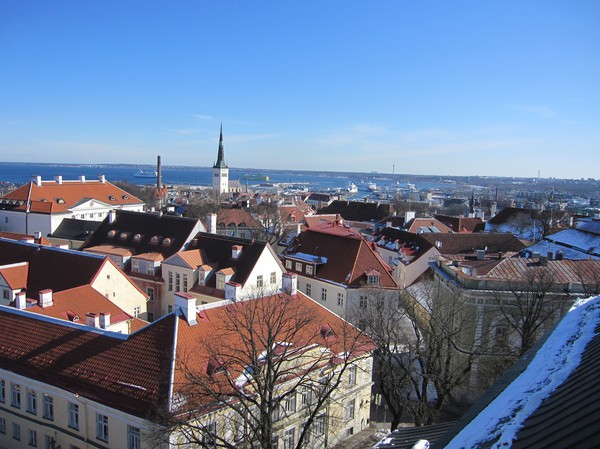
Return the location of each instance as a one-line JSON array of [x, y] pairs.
[[221, 154]]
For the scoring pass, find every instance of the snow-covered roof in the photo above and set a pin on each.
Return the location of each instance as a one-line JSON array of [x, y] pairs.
[[555, 375], [308, 257]]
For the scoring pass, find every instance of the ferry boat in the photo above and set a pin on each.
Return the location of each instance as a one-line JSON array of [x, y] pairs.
[[352, 188], [256, 177], [145, 174]]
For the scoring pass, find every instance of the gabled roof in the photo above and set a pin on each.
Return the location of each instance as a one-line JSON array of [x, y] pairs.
[[467, 243], [48, 265], [142, 232], [75, 229], [549, 398], [127, 372], [403, 242], [54, 197], [462, 224], [216, 250], [237, 217], [426, 225], [357, 210], [15, 275], [77, 302], [508, 214], [348, 255], [24, 238]]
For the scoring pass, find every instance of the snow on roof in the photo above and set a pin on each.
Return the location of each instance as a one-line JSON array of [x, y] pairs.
[[545, 246], [575, 238], [309, 257], [500, 421]]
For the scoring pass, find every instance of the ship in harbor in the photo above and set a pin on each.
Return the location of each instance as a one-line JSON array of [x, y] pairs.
[[145, 174], [256, 177]]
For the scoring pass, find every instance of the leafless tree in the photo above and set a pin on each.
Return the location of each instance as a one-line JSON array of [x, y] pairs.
[[420, 357], [266, 354]]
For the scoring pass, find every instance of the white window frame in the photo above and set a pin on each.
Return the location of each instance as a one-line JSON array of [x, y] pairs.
[[101, 427], [73, 410], [48, 407], [133, 437]]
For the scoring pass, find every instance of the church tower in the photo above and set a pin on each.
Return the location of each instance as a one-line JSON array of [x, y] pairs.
[[220, 182]]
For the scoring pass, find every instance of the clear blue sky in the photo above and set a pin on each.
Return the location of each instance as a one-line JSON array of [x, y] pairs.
[[476, 87]]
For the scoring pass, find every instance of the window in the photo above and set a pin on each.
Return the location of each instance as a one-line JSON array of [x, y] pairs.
[[201, 277], [340, 297], [323, 294], [290, 403], [135, 265], [275, 442], [136, 311], [221, 281], [102, 427], [16, 431], [288, 438], [150, 291], [288, 264], [150, 317], [273, 278], [2, 391], [501, 336], [2, 425], [373, 279], [299, 267], [306, 396], [48, 407], [170, 281], [73, 416], [319, 425], [169, 308], [32, 438], [362, 301], [31, 401], [50, 443], [352, 370], [150, 269], [15, 395], [208, 435], [349, 409], [309, 269], [185, 283], [5, 293], [177, 282], [308, 289], [133, 437], [259, 281]]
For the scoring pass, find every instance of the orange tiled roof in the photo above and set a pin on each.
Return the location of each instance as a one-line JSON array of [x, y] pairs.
[[193, 258], [153, 257], [15, 275], [214, 333], [79, 301], [52, 197], [110, 249], [226, 217]]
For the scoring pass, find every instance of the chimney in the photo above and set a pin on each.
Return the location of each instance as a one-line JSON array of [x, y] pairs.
[[82, 178], [438, 244], [102, 179], [45, 298], [232, 291], [559, 255], [480, 254], [211, 222], [58, 179], [236, 250], [92, 319], [37, 235], [105, 320], [187, 304], [543, 261], [408, 215], [21, 300], [112, 216], [290, 283], [550, 255], [38, 180]]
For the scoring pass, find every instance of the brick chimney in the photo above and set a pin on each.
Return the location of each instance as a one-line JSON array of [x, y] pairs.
[[112, 215], [92, 319], [187, 304], [290, 283], [45, 299], [21, 300], [104, 319]]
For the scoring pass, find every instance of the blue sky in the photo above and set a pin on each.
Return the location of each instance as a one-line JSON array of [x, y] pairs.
[[499, 88]]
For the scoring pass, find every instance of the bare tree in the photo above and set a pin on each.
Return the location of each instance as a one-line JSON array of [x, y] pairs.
[[270, 218], [526, 307], [420, 357], [262, 357]]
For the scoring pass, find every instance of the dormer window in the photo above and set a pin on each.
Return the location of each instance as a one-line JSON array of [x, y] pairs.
[[112, 198], [60, 201], [167, 242], [137, 237], [154, 240], [111, 234], [373, 279], [123, 235], [125, 197]]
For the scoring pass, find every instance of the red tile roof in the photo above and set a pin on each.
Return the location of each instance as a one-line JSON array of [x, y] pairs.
[[15, 275]]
